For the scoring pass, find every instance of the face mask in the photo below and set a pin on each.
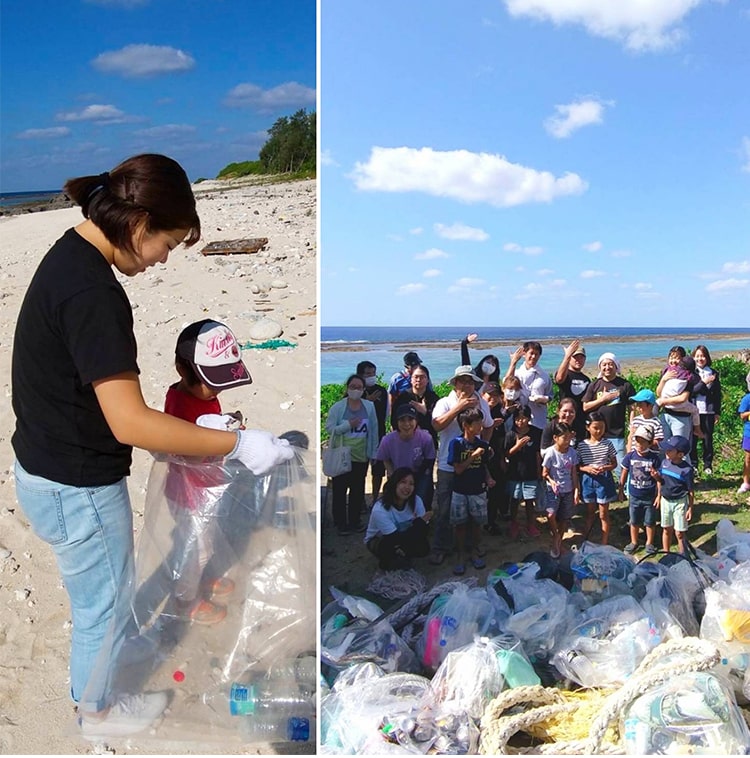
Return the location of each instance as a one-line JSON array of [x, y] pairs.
[[354, 394], [370, 381], [488, 368], [511, 394]]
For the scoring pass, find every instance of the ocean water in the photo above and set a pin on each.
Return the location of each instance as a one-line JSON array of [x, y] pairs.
[[9, 199], [439, 347]]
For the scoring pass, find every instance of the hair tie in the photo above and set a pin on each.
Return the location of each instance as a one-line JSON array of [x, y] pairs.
[[102, 182]]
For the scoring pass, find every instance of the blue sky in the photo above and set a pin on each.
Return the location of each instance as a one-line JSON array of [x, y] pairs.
[[535, 162], [87, 83]]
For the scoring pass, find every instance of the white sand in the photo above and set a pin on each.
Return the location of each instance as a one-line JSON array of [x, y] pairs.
[[36, 714]]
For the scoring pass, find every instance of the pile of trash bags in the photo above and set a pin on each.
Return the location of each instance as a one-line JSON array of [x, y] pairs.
[[665, 644]]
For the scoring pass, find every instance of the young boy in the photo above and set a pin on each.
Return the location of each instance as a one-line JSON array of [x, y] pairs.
[[744, 411], [677, 496], [560, 471], [534, 379], [644, 401], [598, 460], [644, 489], [469, 454], [207, 358], [522, 452]]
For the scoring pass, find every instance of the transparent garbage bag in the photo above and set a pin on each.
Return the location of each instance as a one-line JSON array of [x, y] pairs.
[[224, 568], [601, 570], [471, 676], [670, 604], [608, 643], [690, 713], [731, 542]]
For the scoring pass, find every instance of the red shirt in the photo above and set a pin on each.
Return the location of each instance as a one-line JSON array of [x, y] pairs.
[[185, 486]]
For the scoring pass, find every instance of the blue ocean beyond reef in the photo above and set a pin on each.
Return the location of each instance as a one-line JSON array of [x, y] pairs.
[[438, 347]]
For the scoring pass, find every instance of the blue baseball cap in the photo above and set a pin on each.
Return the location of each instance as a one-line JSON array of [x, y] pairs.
[[644, 396], [676, 442]]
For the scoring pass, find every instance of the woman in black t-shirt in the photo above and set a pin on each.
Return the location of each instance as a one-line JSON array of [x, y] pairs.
[[80, 411]]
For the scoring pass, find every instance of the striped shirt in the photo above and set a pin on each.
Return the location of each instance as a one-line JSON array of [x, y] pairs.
[[596, 453], [652, 423]]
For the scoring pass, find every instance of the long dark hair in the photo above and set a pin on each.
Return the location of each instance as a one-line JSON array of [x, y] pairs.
[[388, 498], [495, 375], [150, 190]]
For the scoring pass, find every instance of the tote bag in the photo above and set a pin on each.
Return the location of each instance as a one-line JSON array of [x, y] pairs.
[[337, 460]]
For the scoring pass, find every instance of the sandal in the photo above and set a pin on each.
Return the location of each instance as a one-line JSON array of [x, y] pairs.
[[207, 613], [459, 569], [478, 563], [220, 587]]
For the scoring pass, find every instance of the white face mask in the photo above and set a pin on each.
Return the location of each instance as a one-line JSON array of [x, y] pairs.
[[354, 394], [488, 368], [511, 394], [370, 381]]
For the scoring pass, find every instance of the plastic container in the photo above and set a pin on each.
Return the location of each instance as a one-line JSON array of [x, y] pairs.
[[256, 728], [269, 696]]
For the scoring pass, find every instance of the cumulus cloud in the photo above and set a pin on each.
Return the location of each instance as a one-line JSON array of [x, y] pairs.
[[638, 25], [460, 231], [166, 131], [736, 267], [571, 117], [53, 132], [621, 253], [416, 230], [723, 285], [592, 247], [135, 61], [461, 175], [545, 271], [101, 114], [431, 272], [514, 247], [283, 96], [411, 289], [326, 158], [464, 284], [430, 254], [591, 273], [556, 287], [746, 154]]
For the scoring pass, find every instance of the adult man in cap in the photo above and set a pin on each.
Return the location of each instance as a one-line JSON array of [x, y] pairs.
[[401, 380], [572, 382], [444, 420]]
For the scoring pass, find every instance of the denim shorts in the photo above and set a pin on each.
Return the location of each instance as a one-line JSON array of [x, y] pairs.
[[598, 489], [464, 506], [746, 443], [523, 490], [560, 505], [642, 511]]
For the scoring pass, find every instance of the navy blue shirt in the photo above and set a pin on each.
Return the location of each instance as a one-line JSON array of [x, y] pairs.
[[472, 480], [677, 479]]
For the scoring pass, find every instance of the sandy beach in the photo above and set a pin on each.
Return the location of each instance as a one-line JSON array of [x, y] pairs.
[[278, 283]]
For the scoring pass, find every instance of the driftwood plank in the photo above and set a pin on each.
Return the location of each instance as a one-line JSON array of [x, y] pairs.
[[228, 247]]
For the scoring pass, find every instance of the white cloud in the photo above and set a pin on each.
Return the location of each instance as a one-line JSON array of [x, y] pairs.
[[465, 284], [540, 289], [727, 284], [571, 117], [411, 289], [416, 230], [746, 154], [287, 95], [639, 24], [514, 247], [101, 114], [461, 175], [545, 271], [430, 254], [592, 247], [740, 267], [591, 273], [431, 272], [54, 132], [642, 286], [134, 61], [460, 231], [326, 158], [166, 131], [621, 253]]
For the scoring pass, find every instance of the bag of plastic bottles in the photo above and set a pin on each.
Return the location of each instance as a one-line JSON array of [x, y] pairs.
[[731, 542], [601, 571], [692, 713], [224, 568]]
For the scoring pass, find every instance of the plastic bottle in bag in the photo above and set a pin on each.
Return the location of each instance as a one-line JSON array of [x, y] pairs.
[[256, 728]]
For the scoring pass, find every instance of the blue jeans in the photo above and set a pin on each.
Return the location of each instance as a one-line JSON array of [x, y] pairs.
[[90, 530], [619, 445]]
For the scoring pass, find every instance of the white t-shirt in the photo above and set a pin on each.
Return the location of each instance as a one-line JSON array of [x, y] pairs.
[[453, 429], [389, 520], [537, 383]]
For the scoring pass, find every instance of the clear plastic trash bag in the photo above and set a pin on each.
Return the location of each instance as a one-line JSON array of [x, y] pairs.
[[215, 532], [731, 542], [691, 713], [608, 643], [601, 570]]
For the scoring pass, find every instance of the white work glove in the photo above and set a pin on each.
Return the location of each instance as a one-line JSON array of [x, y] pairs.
[[219, 421], [260, 451]]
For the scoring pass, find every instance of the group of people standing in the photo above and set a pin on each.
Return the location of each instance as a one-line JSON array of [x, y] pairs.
[[497, 449]]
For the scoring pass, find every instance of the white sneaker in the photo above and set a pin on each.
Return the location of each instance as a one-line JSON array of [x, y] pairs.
[[743, 488], [130, 714]]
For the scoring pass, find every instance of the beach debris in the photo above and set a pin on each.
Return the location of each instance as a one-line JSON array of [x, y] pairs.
[[279, 284], [231, 247], [265, 329], [268, 345], [285, 406]]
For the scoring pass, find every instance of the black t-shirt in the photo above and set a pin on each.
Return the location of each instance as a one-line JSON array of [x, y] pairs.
[[75, 326], [378, 396], [524, 465], [615, 411], [575, 385]]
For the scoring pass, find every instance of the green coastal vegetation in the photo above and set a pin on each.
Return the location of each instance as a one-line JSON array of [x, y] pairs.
[[716, 495], [289, 151]]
